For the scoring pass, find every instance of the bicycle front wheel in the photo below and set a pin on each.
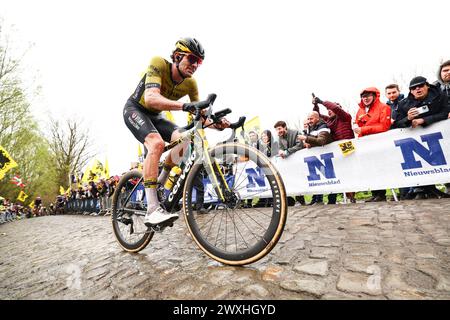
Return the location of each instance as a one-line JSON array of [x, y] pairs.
[[243, 221], [128, 211]]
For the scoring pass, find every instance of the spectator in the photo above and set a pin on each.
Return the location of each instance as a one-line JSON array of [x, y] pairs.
[[425, 105], [288, 144], [253, 139], [60, 203], [394, 96], [340, 124], [372, 117], [318, 134], [2, 211], [267, 144], [443, 83], [103, 195], [93, 191]]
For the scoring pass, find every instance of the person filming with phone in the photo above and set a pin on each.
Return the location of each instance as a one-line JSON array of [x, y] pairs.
[[425, 105]]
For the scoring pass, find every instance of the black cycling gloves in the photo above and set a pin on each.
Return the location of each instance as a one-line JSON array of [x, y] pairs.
[[189, 107]]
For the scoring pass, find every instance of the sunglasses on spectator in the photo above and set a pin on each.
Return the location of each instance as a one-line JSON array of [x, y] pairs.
[[417, 86], [194, 59]]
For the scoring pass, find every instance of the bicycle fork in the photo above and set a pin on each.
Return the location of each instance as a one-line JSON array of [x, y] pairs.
[[213, 170]]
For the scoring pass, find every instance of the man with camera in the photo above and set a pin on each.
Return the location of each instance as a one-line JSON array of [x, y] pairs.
[[425, 105]]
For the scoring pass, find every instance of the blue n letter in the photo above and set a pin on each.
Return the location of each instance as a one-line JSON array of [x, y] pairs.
[[325, 168], [434, 155], [254, 176]]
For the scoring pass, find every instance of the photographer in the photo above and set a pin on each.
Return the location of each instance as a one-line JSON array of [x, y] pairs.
[[425, 105]]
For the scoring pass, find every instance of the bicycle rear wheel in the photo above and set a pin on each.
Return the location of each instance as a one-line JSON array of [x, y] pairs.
[[236, 230], [128, 211]]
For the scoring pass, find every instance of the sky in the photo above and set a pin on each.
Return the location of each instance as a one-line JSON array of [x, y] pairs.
[[263, 58]]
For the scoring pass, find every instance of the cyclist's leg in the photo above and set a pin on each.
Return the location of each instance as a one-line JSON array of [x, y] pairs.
[[169, 132], [140, 123], [155, 146], [151, 130]]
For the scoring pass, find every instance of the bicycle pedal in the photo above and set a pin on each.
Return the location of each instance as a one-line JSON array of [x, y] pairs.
[[156, 229], [160, 227]]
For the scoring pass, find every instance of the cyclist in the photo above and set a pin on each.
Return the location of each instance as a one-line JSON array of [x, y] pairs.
[[37, 205], [159, 89]]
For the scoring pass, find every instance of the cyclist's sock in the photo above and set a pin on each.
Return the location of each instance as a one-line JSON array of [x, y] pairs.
[[151, 195], [164, 173]]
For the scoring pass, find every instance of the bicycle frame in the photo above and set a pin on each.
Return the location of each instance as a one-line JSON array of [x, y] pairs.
[[201, 146], [197, 136]]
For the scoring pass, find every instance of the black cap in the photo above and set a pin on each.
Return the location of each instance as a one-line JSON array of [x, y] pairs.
[[417, 81]]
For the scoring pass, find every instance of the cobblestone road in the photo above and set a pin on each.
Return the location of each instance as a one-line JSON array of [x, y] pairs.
[[356, 251]]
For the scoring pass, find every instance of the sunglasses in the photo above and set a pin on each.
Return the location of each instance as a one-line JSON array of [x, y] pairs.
[[194, 59], [417, 86]]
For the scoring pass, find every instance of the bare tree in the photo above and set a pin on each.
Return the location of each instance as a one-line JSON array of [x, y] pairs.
[[71, 147]]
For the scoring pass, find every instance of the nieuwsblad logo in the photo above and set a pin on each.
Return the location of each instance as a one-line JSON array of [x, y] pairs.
[[321, 168], [429, 150], [256, 180]]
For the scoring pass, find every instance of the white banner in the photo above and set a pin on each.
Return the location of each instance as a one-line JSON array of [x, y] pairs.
[[396, 158], [392, 159]]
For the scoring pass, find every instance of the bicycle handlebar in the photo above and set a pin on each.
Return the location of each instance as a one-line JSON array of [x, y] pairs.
[[199, 106], [238, 123]]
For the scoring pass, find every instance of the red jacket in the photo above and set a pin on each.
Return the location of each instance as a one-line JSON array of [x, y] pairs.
[[377, 119], [341, 124]]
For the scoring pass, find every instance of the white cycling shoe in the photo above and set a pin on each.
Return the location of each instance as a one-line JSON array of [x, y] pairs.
[[158, 216]]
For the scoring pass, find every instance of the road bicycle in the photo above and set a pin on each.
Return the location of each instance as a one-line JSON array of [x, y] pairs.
[[233, 231]]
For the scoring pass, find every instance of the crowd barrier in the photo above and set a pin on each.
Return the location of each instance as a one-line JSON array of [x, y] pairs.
[[83, 205], [392, 159]]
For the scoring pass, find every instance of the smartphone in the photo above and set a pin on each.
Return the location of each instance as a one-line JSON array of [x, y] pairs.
[[423, 109]]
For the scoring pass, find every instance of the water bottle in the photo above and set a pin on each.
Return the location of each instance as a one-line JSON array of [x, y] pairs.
[[174, 173]]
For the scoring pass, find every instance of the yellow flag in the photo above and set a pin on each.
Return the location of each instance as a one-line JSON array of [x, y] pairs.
[[93, 172], [6, 162], [97, 170], [140, 154], [61, 190], [86, 174], [31, 205], [347, 148], [22, 196], [106, 172]]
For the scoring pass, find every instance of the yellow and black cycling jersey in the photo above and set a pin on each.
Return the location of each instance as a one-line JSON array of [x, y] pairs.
[[159, 75]]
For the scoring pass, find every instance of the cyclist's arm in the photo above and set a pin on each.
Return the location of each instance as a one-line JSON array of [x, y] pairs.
[[154, 100]]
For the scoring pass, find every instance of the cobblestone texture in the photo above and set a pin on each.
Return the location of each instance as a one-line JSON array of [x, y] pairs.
[[356, 251]]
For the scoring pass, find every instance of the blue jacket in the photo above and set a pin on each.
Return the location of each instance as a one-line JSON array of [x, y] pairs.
[[394, 105]]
